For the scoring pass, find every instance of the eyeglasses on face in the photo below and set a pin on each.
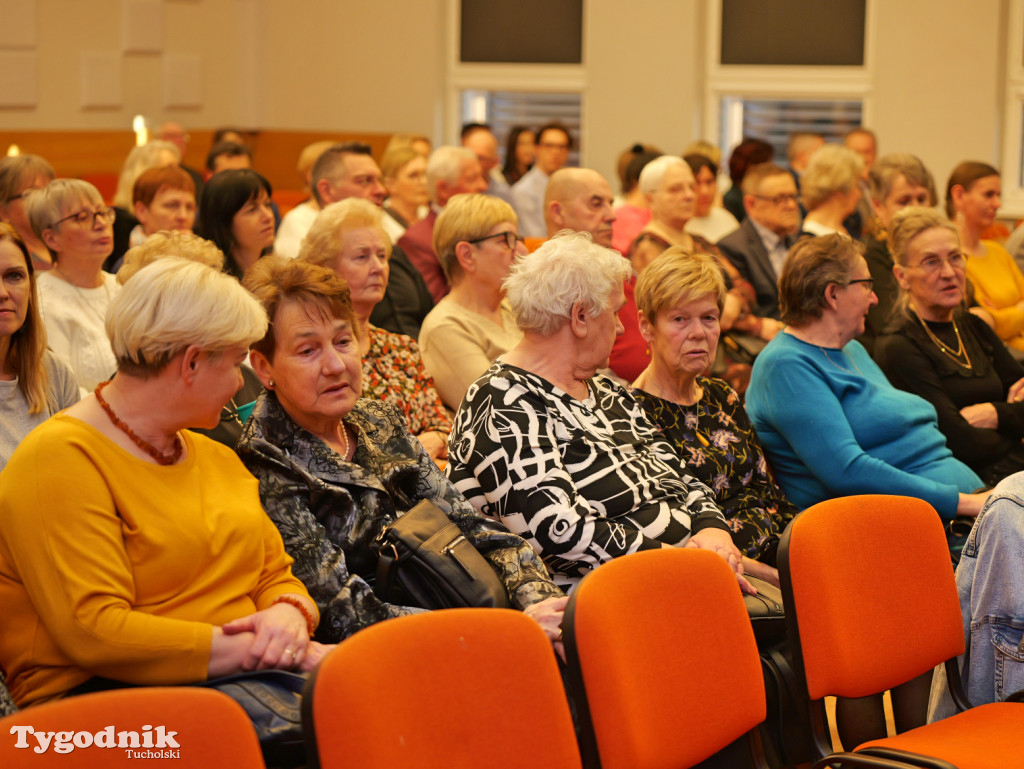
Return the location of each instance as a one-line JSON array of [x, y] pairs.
[[932, 264], [86, 218], [778, 200], [511, 239], [869, 283]]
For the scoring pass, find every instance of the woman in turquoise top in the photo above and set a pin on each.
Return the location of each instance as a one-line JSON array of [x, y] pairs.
[[829, 420]]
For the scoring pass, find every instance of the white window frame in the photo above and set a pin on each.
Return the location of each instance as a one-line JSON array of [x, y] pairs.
[[1013, 120], [539, 78], [784, 82]]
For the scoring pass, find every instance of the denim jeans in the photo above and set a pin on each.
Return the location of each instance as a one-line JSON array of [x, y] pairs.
[[990, 582]]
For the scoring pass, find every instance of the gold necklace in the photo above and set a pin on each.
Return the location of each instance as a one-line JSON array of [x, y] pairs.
[[837, 365], [961, 352]]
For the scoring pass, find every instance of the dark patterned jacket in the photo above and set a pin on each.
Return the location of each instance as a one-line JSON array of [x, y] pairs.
[[329, 510], [583, 481]]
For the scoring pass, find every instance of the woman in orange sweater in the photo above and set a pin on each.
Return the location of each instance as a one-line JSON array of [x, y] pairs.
[[133, 551]]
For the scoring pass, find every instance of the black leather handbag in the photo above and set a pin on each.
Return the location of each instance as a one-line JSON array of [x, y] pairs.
[[425, 560], [272, 699]]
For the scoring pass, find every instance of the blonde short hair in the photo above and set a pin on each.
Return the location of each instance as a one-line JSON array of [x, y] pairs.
[[676, 274], [543, 286], [833, 168], [175, 303], [141, 159], [467, 217], [185, 245], [326, 238]]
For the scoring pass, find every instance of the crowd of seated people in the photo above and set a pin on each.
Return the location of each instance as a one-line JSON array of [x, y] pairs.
[[394, 340]]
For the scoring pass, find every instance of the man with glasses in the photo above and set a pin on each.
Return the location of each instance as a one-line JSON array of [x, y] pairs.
[[552, 148], [450, 171], [758, 248]]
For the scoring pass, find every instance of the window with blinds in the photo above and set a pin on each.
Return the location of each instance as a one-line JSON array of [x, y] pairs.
[[505, 110], [774, 120]]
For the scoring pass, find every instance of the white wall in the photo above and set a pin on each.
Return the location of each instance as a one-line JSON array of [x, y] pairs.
[[939, 81], [360, 66]]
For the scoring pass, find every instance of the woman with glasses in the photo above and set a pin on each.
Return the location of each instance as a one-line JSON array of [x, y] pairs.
[[476, 241], [19, 176], [951, 358], [349, 238], [70, 217], [829, 421]]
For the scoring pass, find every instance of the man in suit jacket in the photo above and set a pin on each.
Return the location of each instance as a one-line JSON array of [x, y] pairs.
[[759, 247]]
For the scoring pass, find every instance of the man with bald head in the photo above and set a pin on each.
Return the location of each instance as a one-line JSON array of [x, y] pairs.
[[579, 199]]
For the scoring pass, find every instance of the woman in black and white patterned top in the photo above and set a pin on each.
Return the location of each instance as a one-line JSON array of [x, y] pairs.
[[563, 456]]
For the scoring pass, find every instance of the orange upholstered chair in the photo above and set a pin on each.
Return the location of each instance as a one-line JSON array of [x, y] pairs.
[[663, 665], [207, 729], [450, 689], [872, 605]]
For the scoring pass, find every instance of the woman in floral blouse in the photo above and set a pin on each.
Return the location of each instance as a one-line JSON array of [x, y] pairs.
[[349, 238], [680, 300]]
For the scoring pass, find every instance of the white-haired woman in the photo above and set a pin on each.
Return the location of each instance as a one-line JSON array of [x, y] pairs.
[[830, 189], [70, 217], [562, 455], [349, 237], [476, 239], [156, 565], [671, 192]]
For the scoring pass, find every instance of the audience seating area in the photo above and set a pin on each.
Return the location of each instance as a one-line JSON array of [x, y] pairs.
[[663, 670]]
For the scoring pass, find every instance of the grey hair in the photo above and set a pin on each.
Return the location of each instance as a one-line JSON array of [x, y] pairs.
[[44, 207], [325, 239], [654, 172], [833, 168], [543, 286], [445, 164]]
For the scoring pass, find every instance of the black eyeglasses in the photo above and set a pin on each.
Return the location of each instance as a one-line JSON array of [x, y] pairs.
[[85, 218], [511, 239], [869, 283]]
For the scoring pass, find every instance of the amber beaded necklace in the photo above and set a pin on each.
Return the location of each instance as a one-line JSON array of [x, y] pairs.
[[149, 448]]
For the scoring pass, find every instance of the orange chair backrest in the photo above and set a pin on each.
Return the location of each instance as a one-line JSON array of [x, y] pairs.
[[873, 593], [668, 658], [456, 688], [187, 726]]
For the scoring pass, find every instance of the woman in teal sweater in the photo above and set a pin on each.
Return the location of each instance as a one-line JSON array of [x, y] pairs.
[[829, 420]]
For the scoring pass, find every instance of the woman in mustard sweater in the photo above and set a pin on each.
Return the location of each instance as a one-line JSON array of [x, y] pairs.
[[133, 551], [973, 197]]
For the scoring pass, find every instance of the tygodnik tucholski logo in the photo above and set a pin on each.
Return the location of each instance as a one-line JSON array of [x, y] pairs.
[[151, 742]]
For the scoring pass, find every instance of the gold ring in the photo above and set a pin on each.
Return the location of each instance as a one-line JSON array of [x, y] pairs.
[[289, 651]]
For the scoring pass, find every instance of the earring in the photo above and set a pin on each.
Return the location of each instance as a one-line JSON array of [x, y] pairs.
[[270, 384]]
